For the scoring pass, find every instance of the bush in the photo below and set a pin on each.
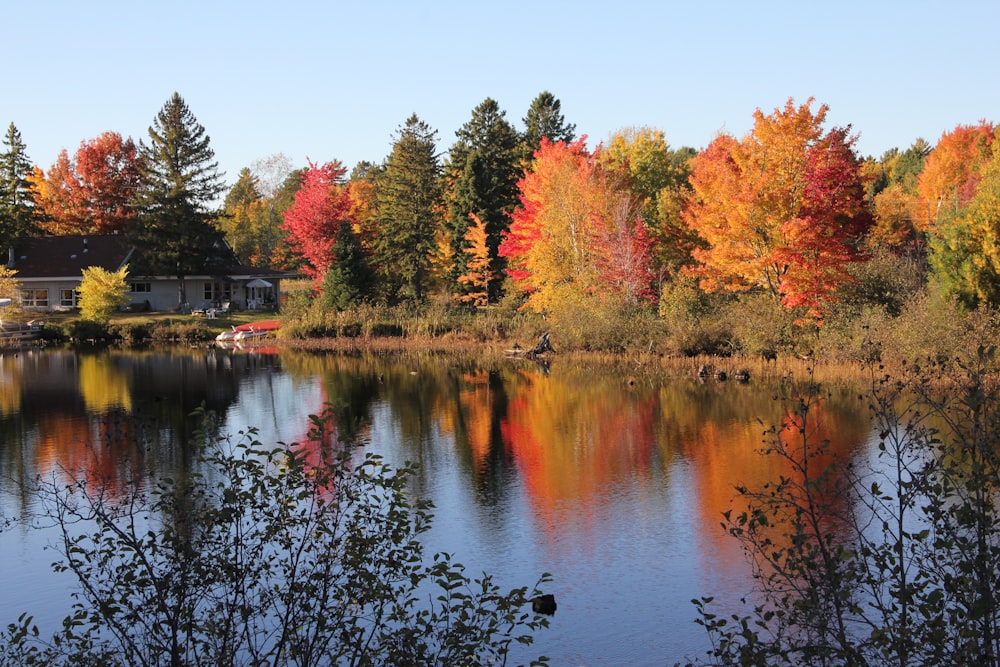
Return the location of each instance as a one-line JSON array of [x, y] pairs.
[[287, 555], [891, 559]]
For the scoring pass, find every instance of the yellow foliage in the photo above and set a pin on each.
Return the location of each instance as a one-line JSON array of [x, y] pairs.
[[102, 292]]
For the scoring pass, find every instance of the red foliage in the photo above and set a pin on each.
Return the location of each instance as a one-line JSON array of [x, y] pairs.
[[321, 206]]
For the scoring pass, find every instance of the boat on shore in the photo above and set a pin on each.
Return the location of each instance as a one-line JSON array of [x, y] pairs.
[[249, 331]]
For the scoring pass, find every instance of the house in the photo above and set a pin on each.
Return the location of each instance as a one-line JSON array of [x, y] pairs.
[[50, 269]]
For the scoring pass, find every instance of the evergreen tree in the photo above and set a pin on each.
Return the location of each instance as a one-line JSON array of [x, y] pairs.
[[484, 168], [545, 119], [180, 181], [408, 202], [349, 279], [18, 215]]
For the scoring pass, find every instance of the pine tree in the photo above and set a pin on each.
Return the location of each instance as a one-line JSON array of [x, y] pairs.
[[408, 204], [349, 279], [545, 120], [484, 167], [18, 214], [180, 182]]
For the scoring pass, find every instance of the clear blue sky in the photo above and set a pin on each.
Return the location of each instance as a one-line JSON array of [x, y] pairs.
[[333, 80]]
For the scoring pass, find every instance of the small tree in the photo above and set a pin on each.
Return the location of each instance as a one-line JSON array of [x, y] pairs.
[[10, 288], [102, 292]]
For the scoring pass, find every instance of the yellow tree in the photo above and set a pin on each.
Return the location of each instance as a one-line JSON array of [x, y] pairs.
[[478, 271], [102, 292], [10, 288], [781, 209]]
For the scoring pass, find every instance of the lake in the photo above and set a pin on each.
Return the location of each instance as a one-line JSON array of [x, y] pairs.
[[614, 483]]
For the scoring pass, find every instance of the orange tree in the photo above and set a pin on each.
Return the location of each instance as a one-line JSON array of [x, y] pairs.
[[781, 209], [577, 232]]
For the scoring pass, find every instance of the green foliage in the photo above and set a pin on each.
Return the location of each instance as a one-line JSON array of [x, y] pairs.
[[349, 280], [180, 181], [484, 167], [286, 555], [408, 202], [963, 246], [887, 559], [18, 214], [545, 119], [102, 292]]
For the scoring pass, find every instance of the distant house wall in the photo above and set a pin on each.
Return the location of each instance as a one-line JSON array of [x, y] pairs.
[[160, 294]]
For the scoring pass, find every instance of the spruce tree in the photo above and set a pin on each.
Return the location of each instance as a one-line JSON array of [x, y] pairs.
[[408, 202], [545, 119], [349, 279], [484, 168], [18, 215], [180, 182]]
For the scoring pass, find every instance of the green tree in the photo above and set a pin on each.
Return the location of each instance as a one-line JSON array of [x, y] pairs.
[[408, 206], [102, 292], [483, 168], [545, 120], [18, 215], [290, 555], [180, 181], [349, 279]]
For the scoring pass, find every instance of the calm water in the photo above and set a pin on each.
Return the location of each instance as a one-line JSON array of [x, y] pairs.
[[613, 485]]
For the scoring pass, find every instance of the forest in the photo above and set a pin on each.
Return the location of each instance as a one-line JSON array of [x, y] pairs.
[[784, 240]]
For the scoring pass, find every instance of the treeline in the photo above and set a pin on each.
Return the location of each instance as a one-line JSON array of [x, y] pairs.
[[783, 239]]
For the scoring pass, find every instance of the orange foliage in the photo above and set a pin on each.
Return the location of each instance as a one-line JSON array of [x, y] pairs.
[[953, 169]]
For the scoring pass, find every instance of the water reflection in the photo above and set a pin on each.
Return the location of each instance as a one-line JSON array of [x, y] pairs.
[[615, 487]]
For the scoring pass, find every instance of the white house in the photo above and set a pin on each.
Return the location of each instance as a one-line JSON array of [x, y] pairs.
[[50, 269]]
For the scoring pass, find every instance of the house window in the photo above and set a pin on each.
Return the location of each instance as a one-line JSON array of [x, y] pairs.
[[67, 298], [209, 294], [143, 288], [35, 298]]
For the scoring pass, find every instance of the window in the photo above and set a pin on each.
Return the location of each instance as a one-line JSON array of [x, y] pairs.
[[35, 298], [209, 295], [67, 298], [144, 288]]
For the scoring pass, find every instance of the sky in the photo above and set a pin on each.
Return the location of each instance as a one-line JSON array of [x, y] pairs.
[[329, 80]]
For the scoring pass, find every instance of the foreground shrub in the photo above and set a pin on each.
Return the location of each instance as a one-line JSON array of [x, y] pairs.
[[889, 559], [291, 555]]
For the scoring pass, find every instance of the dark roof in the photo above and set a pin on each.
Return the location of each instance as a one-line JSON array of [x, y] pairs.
[[67, 256]]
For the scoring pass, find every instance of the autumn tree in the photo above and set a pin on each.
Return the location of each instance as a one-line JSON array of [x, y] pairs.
[[321, 207], [658, 176], [102, 292], [10, 289], [180, 182], [483, 168], [965, 248], [780, 210], [545, 120], [578, 231], [478, 268], [952, 170], [94, 192], [244, 219], [408, 205], [271, 173], [19, 216]]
